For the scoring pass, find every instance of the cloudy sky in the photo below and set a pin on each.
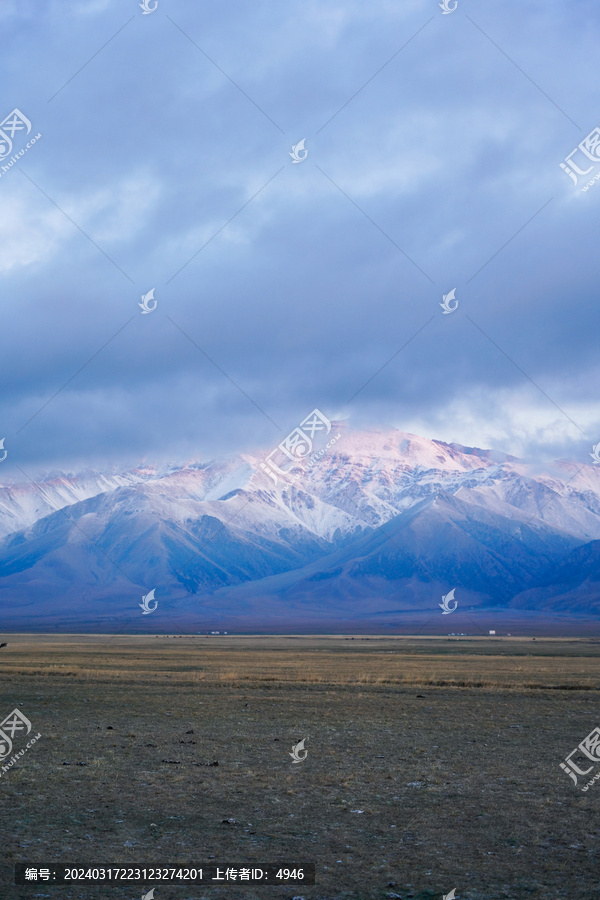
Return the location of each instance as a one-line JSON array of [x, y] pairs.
[[433, 143]]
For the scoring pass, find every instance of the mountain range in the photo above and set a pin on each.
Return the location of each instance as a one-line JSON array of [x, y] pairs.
[[369, 537]]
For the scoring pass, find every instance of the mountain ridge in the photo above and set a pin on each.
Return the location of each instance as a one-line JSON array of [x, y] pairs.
[[384, 520]]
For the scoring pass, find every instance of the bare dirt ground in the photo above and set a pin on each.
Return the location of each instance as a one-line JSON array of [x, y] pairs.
[[432, 764]]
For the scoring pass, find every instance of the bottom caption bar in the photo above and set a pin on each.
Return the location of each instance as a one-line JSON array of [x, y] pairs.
[[281, 873]]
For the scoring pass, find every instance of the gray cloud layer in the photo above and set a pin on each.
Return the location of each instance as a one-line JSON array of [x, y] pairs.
[[165, 163]]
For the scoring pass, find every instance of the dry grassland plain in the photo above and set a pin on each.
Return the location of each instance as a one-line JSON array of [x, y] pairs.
[[432, 764]]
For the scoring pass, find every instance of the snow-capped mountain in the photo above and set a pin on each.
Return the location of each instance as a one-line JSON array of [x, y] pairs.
[[382, 524]]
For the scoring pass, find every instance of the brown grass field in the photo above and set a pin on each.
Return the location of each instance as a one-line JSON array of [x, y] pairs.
[[450, 749]]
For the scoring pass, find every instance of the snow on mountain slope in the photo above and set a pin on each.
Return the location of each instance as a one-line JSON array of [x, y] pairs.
[[24, 503], [383, 515], [369, 476], [372, 470]]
